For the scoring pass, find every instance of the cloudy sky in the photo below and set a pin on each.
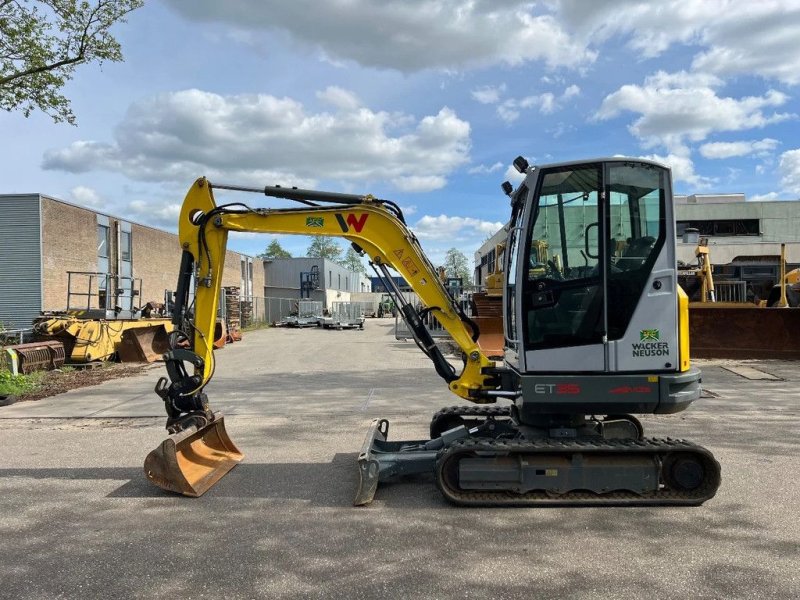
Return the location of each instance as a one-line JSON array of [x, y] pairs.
[[425, 102]]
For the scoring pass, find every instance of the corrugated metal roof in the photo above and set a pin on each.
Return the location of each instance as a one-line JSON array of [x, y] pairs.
[[20, 260]]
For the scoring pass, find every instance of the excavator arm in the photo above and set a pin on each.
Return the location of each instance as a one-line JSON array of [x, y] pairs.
[[199, 451], [376, 230]]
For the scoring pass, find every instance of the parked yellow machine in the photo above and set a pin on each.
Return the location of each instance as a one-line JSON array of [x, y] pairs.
[[100, 319], [88, 340], [590, 336]]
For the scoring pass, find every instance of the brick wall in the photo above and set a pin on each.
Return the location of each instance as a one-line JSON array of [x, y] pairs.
[[69, 243]]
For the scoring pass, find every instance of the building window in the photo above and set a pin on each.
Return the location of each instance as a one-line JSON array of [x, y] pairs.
[[102, 241], [330, 279], [125, 246], [490, 260], [721, 227], [340, 282]]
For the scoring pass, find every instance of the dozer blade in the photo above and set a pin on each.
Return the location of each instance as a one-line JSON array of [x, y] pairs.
[[192, 461], [719, 330]]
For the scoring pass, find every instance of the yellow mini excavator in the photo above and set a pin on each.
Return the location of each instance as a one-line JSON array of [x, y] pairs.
[[595, 331]]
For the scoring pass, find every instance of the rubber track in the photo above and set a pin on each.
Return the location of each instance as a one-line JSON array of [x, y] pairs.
[[477, 410], [662, 497]]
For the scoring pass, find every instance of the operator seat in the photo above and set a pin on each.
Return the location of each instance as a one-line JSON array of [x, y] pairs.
[[636, 253]]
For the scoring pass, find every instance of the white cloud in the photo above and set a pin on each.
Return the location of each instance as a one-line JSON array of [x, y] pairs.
[[455, 229], [546, 102], [86, 196], [155, 212], [410, 35], [484, 170], [676, 106], [489, 94], [513, 175], [261, 139], [768, 197], [409, 210], [743, 148], [734, 37], [790, 171], [571, 92], [682, 166], [419, 183], [340, 98]]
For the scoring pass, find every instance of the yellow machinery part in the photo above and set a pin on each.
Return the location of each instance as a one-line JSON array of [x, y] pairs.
[[90, 340], [683, 328]]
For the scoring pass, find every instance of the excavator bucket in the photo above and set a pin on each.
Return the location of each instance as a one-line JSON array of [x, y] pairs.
[[192, 461]]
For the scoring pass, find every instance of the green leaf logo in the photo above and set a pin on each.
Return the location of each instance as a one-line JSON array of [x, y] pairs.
[[649, 335]]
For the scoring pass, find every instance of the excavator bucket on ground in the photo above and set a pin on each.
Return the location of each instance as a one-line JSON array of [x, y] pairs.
[[192, 461]]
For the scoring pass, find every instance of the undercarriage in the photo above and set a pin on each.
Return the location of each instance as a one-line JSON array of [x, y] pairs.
[[483, 456]]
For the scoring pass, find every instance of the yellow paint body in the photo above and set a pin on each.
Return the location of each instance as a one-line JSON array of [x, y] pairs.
[[95, 339], [683, 329]]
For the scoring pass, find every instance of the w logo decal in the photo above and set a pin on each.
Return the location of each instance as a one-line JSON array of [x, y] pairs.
[[356, 222]]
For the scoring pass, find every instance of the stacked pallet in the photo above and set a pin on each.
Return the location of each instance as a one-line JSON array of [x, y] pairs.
[[233, 313], [246, 312]]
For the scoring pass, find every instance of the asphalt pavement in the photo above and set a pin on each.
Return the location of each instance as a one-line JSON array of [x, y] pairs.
[[78, 519]]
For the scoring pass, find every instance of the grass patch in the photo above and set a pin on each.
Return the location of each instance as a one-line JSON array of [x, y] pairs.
[[256, 326], [16, 385]]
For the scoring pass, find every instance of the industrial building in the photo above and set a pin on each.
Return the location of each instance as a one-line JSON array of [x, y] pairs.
[[111, 262], [326, 280], [737, 231]]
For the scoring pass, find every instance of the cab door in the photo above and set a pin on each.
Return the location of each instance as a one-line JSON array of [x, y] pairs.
[[562, 296]]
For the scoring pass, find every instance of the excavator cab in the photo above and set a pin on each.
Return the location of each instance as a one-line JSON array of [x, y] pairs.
[[599, 308]]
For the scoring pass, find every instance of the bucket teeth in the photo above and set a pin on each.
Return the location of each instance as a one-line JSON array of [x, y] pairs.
[[192, 461]]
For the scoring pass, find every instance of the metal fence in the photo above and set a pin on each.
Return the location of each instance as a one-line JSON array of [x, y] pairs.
[[347, 312], [401, 331], [258, 310], [15, 336], [731, 291]]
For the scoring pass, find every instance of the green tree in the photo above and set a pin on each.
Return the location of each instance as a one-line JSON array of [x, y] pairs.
[[275, 250], [457, 265], [41, 43], [324, 247], [353, 261]]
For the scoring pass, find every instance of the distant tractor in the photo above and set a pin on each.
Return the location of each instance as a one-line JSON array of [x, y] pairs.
[[386, 306]]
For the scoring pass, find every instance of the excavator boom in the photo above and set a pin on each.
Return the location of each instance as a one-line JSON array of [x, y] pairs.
[[200, 451]]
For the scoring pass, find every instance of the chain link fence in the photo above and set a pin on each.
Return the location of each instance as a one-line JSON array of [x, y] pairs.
[[257, 310]]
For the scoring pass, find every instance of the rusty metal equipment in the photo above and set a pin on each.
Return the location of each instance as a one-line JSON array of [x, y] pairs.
[[192, 461], [220, 334], [38, 356], [145, 344], [743, 331]]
